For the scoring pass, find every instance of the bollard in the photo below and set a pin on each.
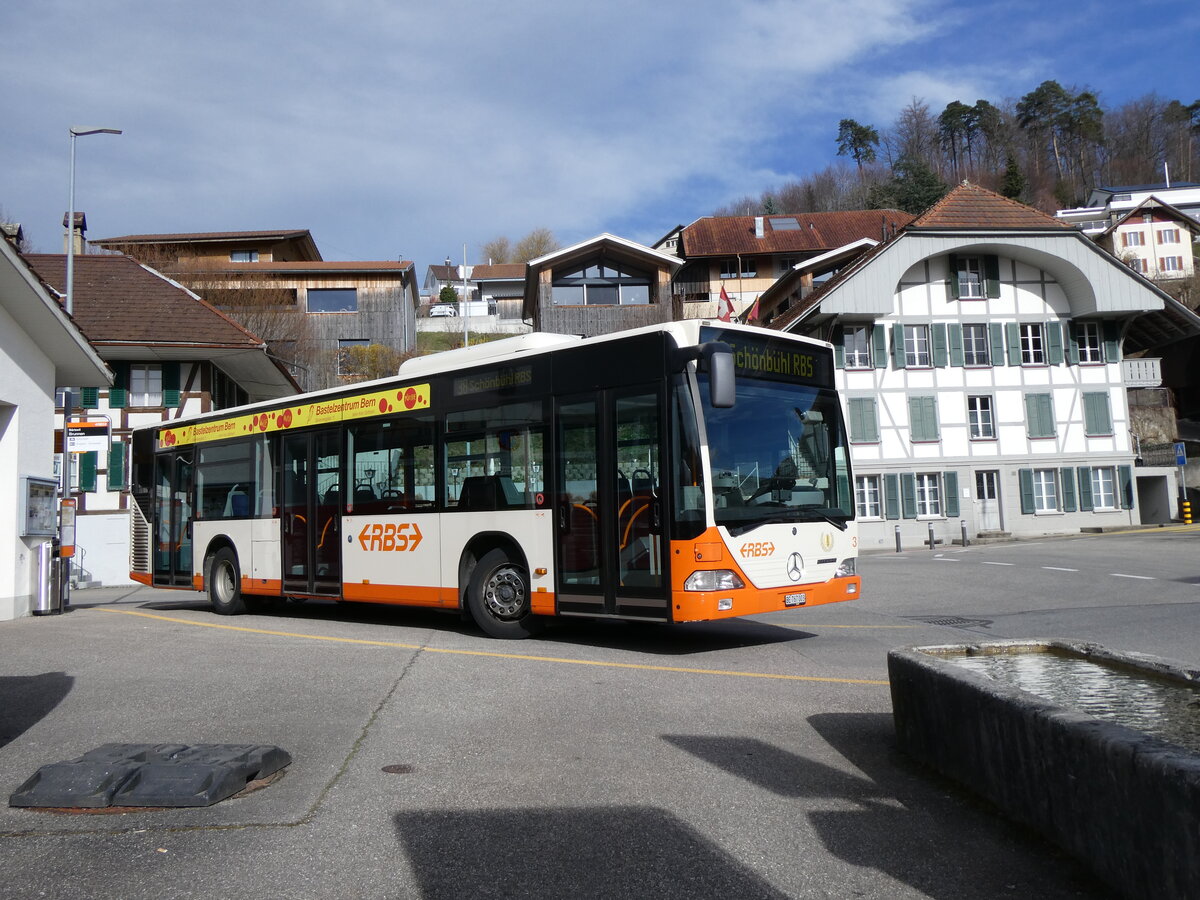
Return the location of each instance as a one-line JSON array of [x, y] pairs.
[[897, 538], [1185, 509], [963, 523], [931, 542]]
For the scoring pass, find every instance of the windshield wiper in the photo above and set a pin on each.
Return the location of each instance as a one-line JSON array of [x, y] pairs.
[[736, 530], [839, 524]]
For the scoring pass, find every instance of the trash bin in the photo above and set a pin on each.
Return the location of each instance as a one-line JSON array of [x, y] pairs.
[[47, 598]]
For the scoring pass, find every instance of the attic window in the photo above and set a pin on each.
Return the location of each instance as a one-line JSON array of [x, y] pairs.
[[244, 256], [785, 223]]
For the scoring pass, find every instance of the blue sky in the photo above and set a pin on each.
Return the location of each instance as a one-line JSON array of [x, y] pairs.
[[392, 128]]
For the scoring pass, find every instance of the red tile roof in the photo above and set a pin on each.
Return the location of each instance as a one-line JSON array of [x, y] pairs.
[[971, 206], [188, 237], [817, 232], [119, 301], [383, 265], [514, 271]]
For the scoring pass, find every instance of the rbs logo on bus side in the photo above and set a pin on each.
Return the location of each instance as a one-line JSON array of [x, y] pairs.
[[389, 536], [758, 548]]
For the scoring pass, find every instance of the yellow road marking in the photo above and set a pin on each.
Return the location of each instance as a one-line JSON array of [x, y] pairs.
[[496, 655]]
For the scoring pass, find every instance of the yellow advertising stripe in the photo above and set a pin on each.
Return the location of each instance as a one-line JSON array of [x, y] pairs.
[[496, 655], [319, 412]]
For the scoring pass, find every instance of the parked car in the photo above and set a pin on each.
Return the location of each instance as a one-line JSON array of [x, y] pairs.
[[443, 309]]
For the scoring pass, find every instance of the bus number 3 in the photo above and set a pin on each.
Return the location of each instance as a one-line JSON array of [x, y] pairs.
[[389, 536]]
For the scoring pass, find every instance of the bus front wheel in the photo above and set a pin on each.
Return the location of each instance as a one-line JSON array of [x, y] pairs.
[[225, 583], [498, 597]]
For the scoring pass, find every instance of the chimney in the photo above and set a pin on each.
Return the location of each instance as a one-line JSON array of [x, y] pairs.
[[758, 227], [13, 233], [75, 233]]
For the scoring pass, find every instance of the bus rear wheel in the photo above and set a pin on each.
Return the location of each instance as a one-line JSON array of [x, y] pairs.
[[225, 583], [498, 597]]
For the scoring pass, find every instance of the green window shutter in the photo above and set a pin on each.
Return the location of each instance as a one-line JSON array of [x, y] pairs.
[[954, 336], [950, 484], [87, 471], [864, 425], [170, 384], [996, 330], [939, 345], [1072, 343], [908, 494], [1097, 420], [922, 418], [1125, 476], [116, 466], [891, 496], [1039, 415], [1025, 476], [1085, 489], [1054, 343], [879, 346], [991, 276], [118, 394], [898, 346], [1067, 477], [89, 398], [1112, 342], [1014, 343], [953, 280]]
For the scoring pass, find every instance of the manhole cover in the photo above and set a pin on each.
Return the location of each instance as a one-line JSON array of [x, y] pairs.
[[952, 621], [151, 775]]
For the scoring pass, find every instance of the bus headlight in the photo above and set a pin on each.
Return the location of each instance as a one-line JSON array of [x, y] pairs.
[[713, 580], [845, 568]]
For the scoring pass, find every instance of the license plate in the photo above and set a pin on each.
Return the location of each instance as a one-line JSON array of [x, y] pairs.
[[795, 599]]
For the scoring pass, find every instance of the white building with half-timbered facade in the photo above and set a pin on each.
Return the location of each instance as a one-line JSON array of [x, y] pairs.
[[980, 364]]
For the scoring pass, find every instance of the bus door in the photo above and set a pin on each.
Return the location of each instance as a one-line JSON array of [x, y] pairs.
[[173, 519], [610, 506], [310, 514]]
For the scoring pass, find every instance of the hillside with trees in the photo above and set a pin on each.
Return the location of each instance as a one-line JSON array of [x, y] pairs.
[[1049, 149]]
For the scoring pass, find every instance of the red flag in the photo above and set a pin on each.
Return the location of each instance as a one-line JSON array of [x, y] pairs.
[[752, 316], [724, 306]]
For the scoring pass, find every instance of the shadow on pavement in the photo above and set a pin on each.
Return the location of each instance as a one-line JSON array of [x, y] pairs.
[[907, 823], [26, 699], [617, 852]]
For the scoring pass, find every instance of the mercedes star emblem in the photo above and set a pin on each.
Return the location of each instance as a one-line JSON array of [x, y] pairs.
[[794, 564]]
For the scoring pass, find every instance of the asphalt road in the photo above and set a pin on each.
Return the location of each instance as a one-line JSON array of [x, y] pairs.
[[750, 758]]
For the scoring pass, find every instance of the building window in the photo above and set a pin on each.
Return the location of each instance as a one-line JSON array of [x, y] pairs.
[[786, 263], [970, 278], [864, 425], [1039, 415], [1133, 239], [868, 499], [1168, 236], [749, 267], [244, 256], [350, 364], [1033, 344], [1138, 265], [975, 345], [916, 346], [923, 418], [1104, 489], [602, 283], [979, 417], [1171, 264], [929, 495], [1045, 490], [145, 385], [857, 339], [1087, 335], [332, 300]]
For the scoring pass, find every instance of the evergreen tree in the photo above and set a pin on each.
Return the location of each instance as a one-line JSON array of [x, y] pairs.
[[1013, 185]]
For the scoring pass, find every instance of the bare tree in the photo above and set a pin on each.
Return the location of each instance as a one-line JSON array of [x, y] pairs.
[[496, 251], [537, 243]]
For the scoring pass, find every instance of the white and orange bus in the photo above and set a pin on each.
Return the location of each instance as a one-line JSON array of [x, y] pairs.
[[689, 471]]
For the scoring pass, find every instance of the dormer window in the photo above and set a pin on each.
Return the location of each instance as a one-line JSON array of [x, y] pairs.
[[974, 277]]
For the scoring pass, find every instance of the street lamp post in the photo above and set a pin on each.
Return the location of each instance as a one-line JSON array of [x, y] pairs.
[[76, 131]]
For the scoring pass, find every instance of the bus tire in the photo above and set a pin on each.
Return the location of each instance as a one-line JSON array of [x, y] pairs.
[[225, 583], [498, 598]]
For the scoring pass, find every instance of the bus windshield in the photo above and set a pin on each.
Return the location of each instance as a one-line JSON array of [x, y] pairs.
[[778, 455]]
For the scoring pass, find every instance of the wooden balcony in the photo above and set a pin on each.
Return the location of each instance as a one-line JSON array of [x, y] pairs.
[[1138, 373]]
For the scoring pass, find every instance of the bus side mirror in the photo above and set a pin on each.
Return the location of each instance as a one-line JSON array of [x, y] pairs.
[[722, 385]]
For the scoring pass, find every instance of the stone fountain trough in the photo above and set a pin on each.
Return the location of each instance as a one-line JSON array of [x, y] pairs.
[[1098, 750]]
